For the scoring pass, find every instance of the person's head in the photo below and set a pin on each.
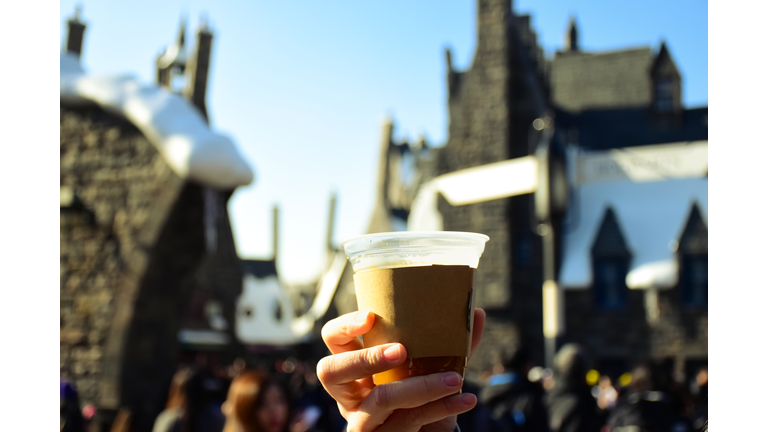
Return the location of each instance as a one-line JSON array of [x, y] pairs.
[[702, 377], [650, 376], [256, 403], [571, 365], [188, 394], [605, 382], [514, 358], [177, 394]]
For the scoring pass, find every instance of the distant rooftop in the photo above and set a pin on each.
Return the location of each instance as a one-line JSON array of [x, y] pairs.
[[582, 80]]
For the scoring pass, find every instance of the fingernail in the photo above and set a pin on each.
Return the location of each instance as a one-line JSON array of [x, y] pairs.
[[468, 399], [392, 353], [361, 316], [452, 379]]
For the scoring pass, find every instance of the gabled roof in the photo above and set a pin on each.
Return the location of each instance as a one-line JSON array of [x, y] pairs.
[[663, 64], [653, 216], [581, 80], [610, 240], [695, 236]]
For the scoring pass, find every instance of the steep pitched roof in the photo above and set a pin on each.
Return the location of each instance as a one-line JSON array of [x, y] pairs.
[[664, 64], [619, 79], [610, 240], [695, 235]]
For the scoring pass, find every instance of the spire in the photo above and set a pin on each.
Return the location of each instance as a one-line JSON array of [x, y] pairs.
[[572, 37], [176, 54]]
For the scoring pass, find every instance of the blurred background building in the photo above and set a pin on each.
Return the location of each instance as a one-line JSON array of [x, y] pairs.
[[149, 271], [150, 277], [627, 195]]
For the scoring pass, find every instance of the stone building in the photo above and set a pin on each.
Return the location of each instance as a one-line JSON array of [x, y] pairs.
[[597, 106], [149, 270]]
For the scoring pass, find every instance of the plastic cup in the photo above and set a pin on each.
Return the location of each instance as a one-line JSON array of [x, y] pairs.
[[420, 286]]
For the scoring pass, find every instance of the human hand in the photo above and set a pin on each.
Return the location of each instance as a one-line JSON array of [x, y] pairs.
[[424, 403]]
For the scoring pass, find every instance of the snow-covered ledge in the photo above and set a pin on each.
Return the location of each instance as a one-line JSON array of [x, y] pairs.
[[173, 125]]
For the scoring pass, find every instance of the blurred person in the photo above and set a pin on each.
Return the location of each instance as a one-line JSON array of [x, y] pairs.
[[510, 399], [427, 403], [189, 407], [256, 403], [71, 419], [316, 409], [569, 401], [699, 415], [122, 422], [473, 419], [647, 404], [606, 393]]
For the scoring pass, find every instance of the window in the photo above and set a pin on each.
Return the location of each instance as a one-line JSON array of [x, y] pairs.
[[663, 95], [610, 282], [694, 281]]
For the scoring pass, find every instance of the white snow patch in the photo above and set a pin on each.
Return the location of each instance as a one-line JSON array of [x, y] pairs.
[[651, 215], [172, 124]]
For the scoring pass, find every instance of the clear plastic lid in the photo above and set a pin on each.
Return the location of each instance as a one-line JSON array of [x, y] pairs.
[[414, 248]]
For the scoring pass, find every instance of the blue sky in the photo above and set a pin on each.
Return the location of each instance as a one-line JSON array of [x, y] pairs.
[[302, 88]]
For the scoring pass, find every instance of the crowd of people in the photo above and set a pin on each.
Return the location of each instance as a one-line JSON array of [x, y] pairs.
[[565, 400], [289, 396]]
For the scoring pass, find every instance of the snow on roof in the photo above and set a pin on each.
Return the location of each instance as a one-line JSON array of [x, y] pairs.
[[652, 216], [172, 124]]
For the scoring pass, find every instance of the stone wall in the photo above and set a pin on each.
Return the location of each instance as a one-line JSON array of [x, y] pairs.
[[491, 108], [132, 253], [626, 334], [117, 175]]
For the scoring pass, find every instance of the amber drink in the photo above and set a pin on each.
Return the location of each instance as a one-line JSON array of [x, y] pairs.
[[420, 286]]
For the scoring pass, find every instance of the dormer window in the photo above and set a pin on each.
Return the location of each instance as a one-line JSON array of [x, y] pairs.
[[693, 259], [663, 95], [666, 82], [610, 282], [610, 264], [694, 281]]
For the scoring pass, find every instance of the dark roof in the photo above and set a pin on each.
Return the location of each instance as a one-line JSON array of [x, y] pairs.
[[610, 240], [581, 80], [616, 128], [694, 238], [259, 268], [663, 64]]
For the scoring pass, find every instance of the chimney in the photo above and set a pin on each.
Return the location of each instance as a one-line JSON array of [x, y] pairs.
[[75, 32], [572, 37], [197, 67], [275, 227], [331, 220], [172, 63], [384, 146]]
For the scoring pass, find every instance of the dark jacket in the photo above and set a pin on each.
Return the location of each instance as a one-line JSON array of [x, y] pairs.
[[572, 408], [647, 411], [210, 419], [514, 404]]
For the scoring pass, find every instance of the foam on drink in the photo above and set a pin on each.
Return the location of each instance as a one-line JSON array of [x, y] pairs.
[[420, 286]]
